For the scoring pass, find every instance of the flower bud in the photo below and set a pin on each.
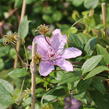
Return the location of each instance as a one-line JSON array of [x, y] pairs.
[[43, 29], [10, 39]]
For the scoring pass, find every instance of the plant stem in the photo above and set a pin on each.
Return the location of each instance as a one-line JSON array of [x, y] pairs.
[[33, 76], [19, 42], [23, 10], [22, 62], [103, 6], [33, 90], [91, 13], [26, 55], [77, 21], [11, 12]]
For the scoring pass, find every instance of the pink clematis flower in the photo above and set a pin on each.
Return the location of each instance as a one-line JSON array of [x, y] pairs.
[[52, 52], [72, 103]]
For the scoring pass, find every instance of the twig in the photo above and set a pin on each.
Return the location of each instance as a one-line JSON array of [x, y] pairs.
[[77, 22], [23, 63], [23, 10], [26, 55], [103, 6], [11, 12], [33, 76], [19, 42]]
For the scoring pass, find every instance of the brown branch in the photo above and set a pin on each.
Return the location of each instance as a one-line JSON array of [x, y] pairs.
[[19, 42], [11, 12], [103, 6], [21, 60], [23, 10], [33, 76]]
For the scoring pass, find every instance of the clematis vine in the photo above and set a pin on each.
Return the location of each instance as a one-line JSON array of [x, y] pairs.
[[52, 52]]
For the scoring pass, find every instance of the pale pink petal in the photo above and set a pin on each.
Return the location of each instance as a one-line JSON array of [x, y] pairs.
[[65, 65], [42, 45], [41, 41], [58, 40], [71, 53], [42, 52], [45, 68]]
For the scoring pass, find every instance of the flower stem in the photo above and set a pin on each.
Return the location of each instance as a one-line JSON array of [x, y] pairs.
[[103, 6], [19, 42], [33, 76], [33, 90]]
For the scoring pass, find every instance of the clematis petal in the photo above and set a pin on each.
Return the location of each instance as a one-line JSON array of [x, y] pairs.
[[41, 41], [58, 40], [45, 68], [65, 65], [71, 53], [42, 45], [42, 52]]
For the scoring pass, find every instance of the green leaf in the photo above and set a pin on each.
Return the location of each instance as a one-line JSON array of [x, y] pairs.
[[1, 42], [96, 71], [57, 105], [37, 106], [59, 91], [90, 45], [72, 30], [77, 2], [12, 53], [75, 41], [91, 63], [101, 50], [83, 38], [29, 1], [23, 27], [1, 64], [27, 101], [47, 10], [40, 92], [91, 3], [47, 18], [83, 85], [49, 97], [89, 22], [2, 107], [69, 77], [57, 16], [7, 85], [101, 100], [89, 108], [4, 51], [6, 90], [98, 84], [18, 3], [17, 73]]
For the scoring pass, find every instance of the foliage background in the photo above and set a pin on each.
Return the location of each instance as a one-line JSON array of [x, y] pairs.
[[89, 82]]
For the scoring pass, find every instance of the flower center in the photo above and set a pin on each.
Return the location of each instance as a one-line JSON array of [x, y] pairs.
[[52, 55]]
